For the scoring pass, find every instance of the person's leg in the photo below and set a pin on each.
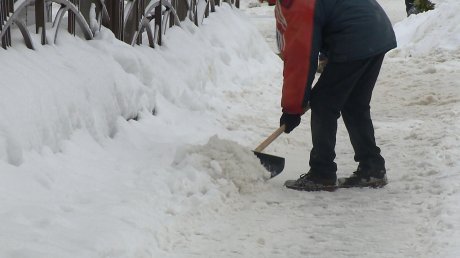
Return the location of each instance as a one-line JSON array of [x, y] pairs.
[[328, 97], [357, 118], [327, 100]]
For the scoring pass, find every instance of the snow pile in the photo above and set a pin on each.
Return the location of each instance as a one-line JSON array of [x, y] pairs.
[[48, 94], [433, 31], [225, 161]]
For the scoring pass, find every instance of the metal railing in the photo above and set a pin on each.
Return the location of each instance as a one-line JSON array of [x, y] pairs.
[[127, 19], [6, 8]]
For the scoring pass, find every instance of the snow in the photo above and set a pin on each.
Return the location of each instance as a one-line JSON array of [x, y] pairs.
[[112, 151], [223, 159], [420, 34]]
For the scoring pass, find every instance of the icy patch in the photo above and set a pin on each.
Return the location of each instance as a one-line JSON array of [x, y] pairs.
[[224, 160]]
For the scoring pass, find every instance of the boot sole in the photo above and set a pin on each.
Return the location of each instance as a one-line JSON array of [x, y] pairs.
[[312, 188], [375, 184], [331, 188]]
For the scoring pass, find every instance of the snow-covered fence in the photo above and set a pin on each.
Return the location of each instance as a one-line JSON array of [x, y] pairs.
[[128, 19], [6, 7], [17, 15]]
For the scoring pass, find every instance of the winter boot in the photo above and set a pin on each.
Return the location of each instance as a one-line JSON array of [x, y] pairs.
[[310, 182], [364, 178]]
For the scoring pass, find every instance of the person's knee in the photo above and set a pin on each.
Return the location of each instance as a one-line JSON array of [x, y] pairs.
[[355, 108]]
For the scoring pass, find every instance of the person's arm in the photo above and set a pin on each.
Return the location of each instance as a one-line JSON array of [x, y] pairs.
[[299, 44]]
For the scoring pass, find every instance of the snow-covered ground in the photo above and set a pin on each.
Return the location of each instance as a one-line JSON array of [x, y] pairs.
[[79, 177]]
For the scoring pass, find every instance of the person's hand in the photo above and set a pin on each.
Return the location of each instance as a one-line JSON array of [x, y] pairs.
[[291, 121]]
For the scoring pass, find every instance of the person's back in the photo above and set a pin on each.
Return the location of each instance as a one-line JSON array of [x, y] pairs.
[[353, 30]]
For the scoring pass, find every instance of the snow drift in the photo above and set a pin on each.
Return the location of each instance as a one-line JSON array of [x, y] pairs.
[[433, 31]]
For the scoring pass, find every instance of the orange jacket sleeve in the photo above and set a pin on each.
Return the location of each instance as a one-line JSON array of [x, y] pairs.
[[295, 34]]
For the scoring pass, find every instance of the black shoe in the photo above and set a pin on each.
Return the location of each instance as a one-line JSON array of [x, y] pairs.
[[362, 178], [309, 182]]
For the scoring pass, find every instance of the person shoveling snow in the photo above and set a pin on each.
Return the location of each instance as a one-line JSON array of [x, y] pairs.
[[355, 35]]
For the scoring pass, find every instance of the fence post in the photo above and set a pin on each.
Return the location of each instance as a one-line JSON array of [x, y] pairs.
[[206, 11], [3, 17], [158, 22], [139, 15], [181, 8], [10, 5], [40, 24], [212, 4], [71, 19], [85, 9], [115, 8]]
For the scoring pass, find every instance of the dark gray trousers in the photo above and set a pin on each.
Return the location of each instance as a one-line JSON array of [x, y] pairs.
[[344, 88]]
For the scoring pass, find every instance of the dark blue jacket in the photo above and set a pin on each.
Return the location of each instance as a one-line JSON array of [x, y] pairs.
[[350, 30]]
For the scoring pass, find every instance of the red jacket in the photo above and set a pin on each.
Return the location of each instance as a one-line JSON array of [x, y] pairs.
[[294, 24]]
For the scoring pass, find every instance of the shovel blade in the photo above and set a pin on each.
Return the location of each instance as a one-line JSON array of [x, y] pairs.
[[273, 164]]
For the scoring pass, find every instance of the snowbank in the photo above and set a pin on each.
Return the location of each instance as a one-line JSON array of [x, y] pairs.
[[433, 31], [223, 159], [48, 94]]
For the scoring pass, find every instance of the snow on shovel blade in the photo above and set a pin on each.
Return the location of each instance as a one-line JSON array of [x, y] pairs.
[[273, 164]]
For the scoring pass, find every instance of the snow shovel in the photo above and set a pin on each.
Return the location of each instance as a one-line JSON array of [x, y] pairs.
[[273, 164]]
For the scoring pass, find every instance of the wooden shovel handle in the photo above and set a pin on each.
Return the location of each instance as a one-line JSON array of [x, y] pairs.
[[270, 139]]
